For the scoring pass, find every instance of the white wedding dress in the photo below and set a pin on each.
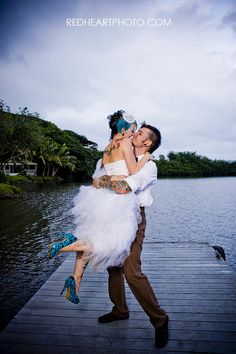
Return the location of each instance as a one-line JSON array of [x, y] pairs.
[[107, 221]]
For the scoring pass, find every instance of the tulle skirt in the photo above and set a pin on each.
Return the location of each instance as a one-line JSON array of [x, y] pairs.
[[108, 223]]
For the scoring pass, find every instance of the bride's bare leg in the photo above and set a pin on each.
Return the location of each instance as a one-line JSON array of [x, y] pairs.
[[77, 246], [79, 268]]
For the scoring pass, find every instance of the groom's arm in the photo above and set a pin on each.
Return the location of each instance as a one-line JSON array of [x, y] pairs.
[[119, 187], [147, 176], [100, 180]]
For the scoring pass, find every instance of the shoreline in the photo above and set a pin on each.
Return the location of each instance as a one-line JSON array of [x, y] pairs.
[[15, 187], [10, 191]]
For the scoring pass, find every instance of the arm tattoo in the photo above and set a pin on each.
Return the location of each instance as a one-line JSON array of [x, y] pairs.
[[119, 187]]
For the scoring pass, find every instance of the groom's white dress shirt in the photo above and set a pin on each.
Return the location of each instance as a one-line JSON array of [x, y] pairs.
[[140, 183]]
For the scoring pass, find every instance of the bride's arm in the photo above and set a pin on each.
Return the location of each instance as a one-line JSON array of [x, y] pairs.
[[132, 165]]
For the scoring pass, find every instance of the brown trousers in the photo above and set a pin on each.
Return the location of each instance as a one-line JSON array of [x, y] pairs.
[[137, 281]]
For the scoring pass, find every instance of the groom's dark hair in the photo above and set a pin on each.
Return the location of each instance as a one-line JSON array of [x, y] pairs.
[[155, 137]]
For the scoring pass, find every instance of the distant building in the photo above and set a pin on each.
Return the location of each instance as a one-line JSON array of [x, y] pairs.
[[16, 168]]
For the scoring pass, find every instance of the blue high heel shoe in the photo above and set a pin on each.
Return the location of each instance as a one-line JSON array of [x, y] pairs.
[[55, 247], [70, 285]]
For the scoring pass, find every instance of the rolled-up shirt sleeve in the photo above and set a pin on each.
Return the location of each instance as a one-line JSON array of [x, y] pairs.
[[99, 171], [146, 177]]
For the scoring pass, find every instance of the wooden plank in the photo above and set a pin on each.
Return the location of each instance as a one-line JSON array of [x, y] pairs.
[[87, 305], [45, 349], [108, 342], [143, 323], [162, 296], [199, 327], [144, 333], [197, 290], [50, 300]]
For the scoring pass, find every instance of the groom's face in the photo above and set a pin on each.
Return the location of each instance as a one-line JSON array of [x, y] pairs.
[[141, 137]]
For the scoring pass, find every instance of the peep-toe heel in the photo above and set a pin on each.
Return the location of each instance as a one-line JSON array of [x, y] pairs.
[[70, 285], [55, 247]]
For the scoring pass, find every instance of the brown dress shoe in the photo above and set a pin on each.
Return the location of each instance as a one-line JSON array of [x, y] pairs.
[[110, 317], [161, 334]]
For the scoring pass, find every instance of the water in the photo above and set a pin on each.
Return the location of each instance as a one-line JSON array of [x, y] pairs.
[[28, 225], [202, 209]]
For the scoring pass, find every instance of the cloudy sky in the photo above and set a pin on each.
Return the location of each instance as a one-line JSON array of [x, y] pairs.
[[171, 63]]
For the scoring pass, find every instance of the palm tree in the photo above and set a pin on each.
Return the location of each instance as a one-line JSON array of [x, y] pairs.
[[54, 156], [63, 159]]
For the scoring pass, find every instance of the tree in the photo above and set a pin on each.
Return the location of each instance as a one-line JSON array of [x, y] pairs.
[[25, 136], [54, 156], [19, 138], [162, 158], [189, 164], [4, 107]]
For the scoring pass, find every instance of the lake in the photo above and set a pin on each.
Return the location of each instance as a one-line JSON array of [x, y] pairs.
[[195, 209]]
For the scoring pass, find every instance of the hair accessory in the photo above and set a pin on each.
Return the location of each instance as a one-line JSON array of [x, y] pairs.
[[128, 118]]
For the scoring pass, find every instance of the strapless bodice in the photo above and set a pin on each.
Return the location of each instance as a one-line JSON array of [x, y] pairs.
[[116, 168]]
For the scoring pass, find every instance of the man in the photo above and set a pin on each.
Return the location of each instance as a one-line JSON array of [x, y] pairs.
[[147, 138]]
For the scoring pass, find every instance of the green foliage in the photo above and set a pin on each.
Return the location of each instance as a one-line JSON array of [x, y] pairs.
[[83, 140], [77, 156], [63, 153], [26, 137], [8, 191], [19, 137], [189, 164], [46, 179], [19, 179], [54, 156]]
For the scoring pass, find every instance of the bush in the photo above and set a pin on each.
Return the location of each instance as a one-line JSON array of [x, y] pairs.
[[45, 179], [8, 191], [18, 179], [34, 179]]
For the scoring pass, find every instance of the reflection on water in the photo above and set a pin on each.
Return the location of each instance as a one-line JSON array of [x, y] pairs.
[[28, 225], [201, 209], [183, 210]]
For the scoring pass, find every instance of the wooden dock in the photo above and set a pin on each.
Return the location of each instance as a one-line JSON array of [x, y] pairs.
[[197, 290]]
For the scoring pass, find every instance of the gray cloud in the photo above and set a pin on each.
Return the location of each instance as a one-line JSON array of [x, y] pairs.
[[180, 78], [230, 20]]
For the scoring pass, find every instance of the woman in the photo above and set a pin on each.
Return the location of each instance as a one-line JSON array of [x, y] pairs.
[[106, 222]]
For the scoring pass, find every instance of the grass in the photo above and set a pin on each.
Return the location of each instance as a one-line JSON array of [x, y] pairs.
[[8, 191], [34, 179]]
